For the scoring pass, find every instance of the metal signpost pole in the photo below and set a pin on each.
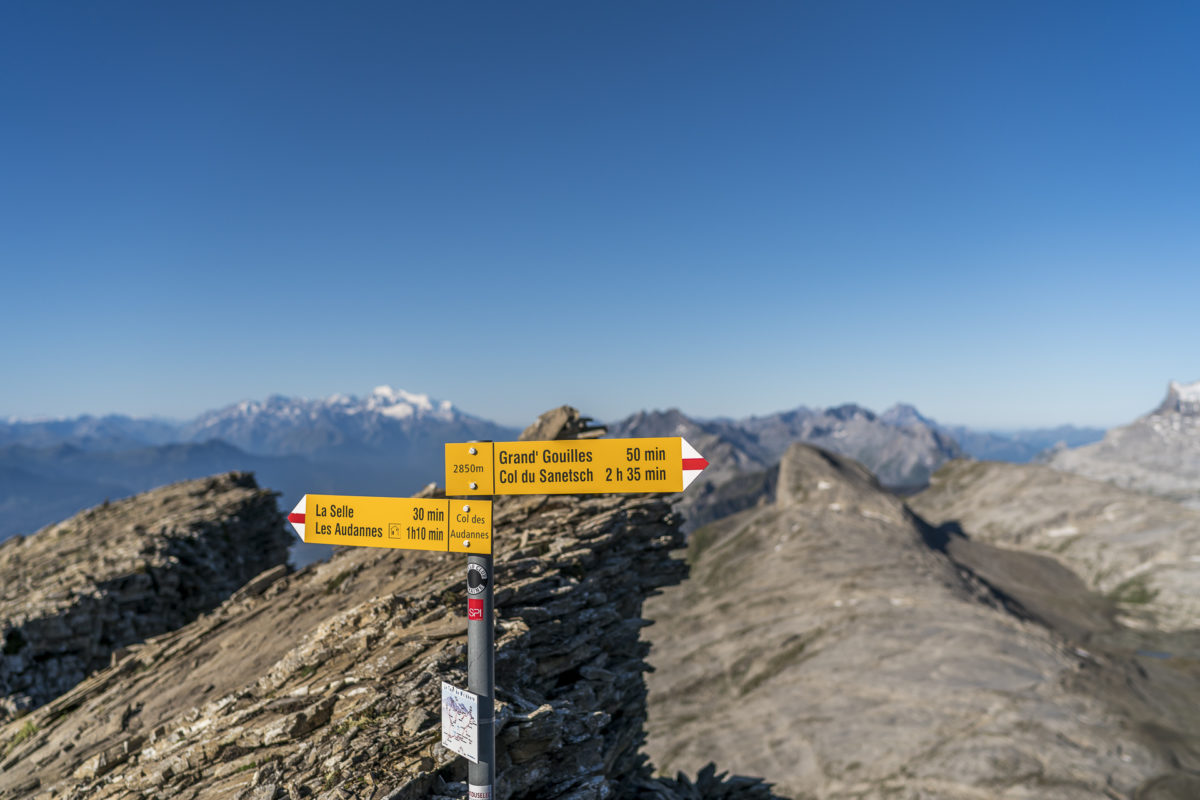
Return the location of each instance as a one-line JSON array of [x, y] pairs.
[[481, 671]]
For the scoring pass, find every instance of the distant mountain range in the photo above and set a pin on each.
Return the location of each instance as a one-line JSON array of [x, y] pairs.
[[1018, 446], [39, 485], [279, 426], [902, 447], [113, 432], [390, 442], [341, 426]]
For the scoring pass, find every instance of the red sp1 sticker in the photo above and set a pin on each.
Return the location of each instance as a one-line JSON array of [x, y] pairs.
[[475, 608]]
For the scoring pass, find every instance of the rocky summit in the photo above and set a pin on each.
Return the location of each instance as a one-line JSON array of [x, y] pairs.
[[1158, 453], [325, 683], [837, 643], [76, 592]]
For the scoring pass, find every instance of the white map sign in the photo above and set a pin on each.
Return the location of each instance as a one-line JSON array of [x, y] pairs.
[[460, 722]]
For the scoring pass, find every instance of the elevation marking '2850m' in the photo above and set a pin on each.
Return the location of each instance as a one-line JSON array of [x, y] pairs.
[[572, 466]]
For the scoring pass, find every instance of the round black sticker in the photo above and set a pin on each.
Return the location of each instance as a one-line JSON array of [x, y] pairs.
[[477, 578]]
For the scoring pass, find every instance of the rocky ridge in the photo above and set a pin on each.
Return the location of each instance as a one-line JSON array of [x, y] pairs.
[[75, 592], [326, 683], [836, 642]]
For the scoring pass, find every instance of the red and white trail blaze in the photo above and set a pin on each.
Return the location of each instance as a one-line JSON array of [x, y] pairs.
[[296, 518], [693, 463]]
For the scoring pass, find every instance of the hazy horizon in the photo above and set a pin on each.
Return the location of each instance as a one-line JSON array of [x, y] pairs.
[[533, 415]]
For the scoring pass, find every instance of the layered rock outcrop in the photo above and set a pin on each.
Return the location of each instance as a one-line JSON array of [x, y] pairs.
[[75, 592]]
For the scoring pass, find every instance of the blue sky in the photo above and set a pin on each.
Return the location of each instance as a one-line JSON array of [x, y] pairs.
[[990, 210]]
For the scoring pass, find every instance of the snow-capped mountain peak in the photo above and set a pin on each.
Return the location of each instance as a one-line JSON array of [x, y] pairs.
[[386, 393], [399, 404], [387, 417], [383, 400]]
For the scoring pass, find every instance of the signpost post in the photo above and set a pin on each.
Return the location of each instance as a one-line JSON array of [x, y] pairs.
[[481, 672], [475, 470]]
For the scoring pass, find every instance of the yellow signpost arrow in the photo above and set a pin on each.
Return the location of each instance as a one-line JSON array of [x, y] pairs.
[[583, 466], [403, 523]]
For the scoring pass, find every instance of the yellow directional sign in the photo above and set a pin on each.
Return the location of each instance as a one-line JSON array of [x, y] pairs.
[[584, 466], [405, 523]]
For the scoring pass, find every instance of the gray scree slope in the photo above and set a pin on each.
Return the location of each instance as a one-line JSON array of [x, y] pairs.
[[1142, 552]]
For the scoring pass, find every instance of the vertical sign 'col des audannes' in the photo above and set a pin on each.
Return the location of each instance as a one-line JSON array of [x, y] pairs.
[[572, 466]]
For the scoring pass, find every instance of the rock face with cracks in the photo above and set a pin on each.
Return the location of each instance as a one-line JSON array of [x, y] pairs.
[[77, 592], [326, 683]]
